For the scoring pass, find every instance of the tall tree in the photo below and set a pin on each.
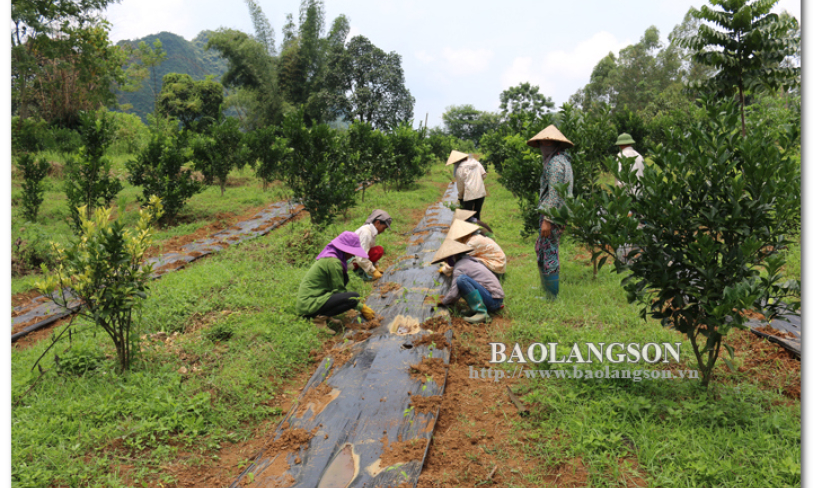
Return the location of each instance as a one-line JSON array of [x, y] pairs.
[[366, 84], [62, 38], [524, 98], [750, 50], [252, 73], [467, 123], [263, 31], [196, 104]]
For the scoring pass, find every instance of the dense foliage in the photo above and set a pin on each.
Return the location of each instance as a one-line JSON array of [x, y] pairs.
[[752, 51], [317, 169], [159, 170], [89, 182], [708, 225], [34, 171], [104, 268]]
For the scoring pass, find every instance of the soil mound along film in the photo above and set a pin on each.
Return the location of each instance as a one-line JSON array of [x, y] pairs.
[[371, 425]]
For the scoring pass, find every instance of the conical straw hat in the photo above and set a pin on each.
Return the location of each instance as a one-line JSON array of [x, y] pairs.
[[460, 229], [450, 247], [456, 157], [549, 133], [461, 214]]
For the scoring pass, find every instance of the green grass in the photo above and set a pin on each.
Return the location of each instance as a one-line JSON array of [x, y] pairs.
[[200, 210], [733, 435], [239, 340]]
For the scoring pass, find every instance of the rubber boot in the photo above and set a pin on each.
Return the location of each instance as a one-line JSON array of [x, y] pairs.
[[551, 283], [475, 302]]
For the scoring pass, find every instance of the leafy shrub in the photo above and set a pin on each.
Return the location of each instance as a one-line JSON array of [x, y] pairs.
[[317, 169], [34, 171], [440, 144], [28, 135], [31, 250], [218, 150], [103, 268], [79, 359], [158, 169], [712, 220], [367, 149], [408, 157], [88, 181], [266, 149], [63, 139], [130, 134]]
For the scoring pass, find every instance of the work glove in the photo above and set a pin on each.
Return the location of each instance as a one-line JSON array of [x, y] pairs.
[[367, 312], [377, 275]]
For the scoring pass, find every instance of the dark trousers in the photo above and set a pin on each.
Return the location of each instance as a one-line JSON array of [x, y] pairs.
[[476, 205], [338, 304]]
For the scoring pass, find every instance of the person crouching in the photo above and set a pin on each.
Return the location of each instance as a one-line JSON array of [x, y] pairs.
[[323, 291], [471, 280]]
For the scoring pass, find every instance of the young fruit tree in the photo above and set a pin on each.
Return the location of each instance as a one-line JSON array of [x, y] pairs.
[[159, 169], [104, 269], [34, 171], [408, 157], [707, 230], [316, 169], [218, 150], [88, 181], [367, 148]]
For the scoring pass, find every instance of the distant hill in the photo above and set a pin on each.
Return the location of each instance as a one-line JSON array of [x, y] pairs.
[[189, 57]]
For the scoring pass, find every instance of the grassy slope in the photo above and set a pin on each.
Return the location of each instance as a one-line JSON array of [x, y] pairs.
[[739, 436], [248, 292]]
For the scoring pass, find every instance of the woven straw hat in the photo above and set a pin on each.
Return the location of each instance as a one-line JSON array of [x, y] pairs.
[[456, 157], [460, 229], [450, 247], [461, 214], [549, 133]]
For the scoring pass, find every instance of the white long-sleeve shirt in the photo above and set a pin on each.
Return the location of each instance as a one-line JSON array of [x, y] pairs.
[[470, 174], [638, 166], [366, 233]]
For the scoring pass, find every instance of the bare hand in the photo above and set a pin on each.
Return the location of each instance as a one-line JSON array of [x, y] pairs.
[[544, 231]]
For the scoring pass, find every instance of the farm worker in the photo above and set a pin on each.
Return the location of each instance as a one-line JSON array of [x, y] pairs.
[[485, 249], [471, 280], [323, 292], [469, 174], [624, 144], [468, 216], [376, 223], [556, 170]]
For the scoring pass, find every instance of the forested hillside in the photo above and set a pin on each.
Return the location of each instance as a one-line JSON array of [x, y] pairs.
[[188, 57]]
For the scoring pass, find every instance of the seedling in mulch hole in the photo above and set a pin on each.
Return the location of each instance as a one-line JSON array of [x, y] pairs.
[[358, 319], [408, 411], [251, 477]]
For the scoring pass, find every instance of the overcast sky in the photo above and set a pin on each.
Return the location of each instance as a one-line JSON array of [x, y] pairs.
[[453, 52]]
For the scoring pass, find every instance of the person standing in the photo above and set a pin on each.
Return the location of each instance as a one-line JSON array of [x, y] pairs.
[[469, 173], [624, 143], [557, 170], [367, 268]]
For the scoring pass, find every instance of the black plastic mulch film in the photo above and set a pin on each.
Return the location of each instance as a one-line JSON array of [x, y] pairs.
[[371, 391], [41, 312]]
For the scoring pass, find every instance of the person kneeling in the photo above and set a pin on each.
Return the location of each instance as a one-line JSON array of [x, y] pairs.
[[471, 280], [323, 291]]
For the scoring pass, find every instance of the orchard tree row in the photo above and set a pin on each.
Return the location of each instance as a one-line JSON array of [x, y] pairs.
[[717, 114]]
